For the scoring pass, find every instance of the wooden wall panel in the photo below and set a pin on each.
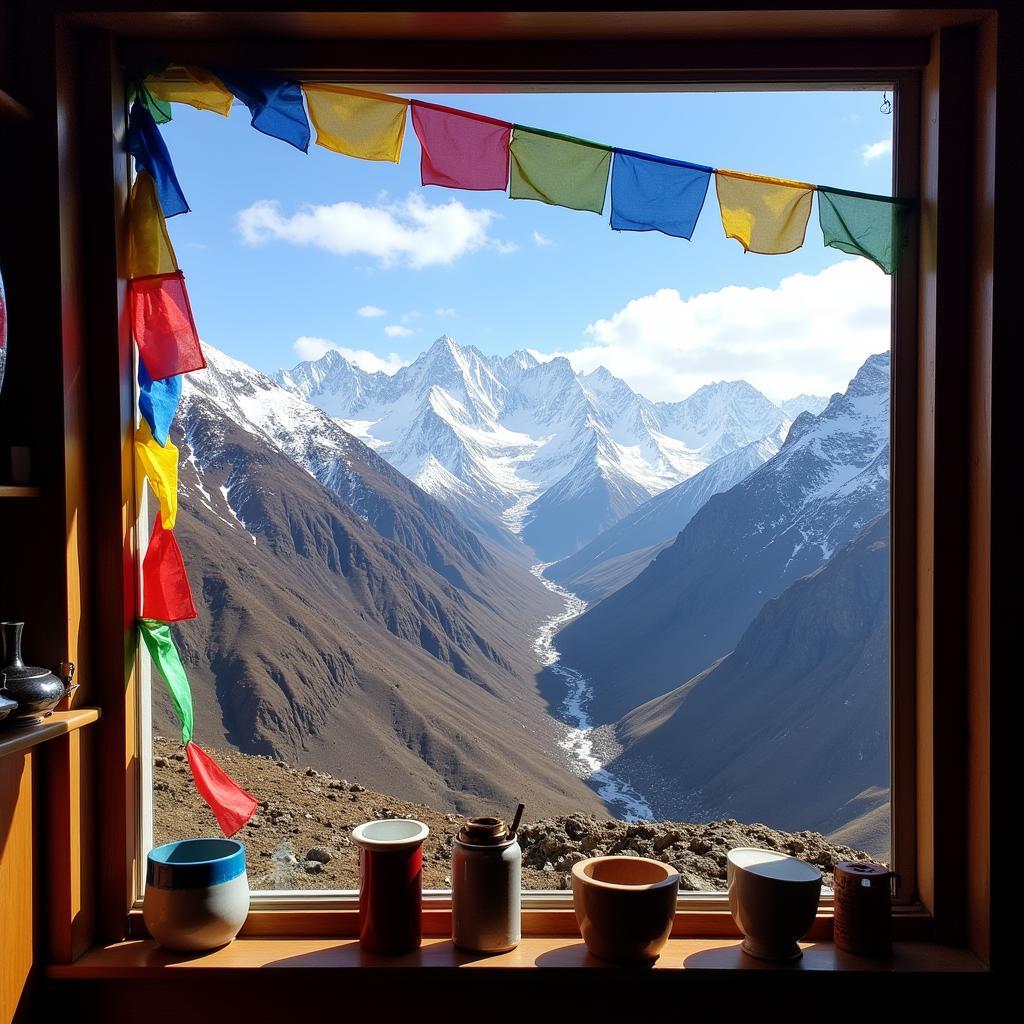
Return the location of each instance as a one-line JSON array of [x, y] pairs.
[[946, 343], [979, 490], [17, 849]]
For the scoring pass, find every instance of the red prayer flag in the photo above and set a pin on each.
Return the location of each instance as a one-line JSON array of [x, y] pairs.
[[460, 149], [231, 805], [166, 595], [164, 328]]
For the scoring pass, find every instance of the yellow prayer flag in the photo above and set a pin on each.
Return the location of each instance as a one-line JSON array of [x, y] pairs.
[[766, 215], [367, 125], [149, 245], [200, 89], [160, 467]]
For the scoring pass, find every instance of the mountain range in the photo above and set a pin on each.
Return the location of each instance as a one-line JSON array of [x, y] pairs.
[[347, 619], [690, 606], [624, 550], [361, 548], [791, 727], [529, 445]]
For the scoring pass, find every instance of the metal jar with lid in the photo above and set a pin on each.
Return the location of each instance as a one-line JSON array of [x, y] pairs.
[[863, 907], [486, 883]]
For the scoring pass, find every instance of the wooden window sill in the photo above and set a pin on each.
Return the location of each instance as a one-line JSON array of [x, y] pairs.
[[143, 958], [60, 723]]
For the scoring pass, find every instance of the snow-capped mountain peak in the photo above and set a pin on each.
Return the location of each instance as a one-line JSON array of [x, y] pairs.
[[498, 433]]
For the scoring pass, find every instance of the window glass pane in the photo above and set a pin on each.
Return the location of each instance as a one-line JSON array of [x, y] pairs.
[[483, 502]]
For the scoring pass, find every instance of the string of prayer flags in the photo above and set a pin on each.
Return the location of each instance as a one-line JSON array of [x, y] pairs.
[[366, 125], [160, 644], [166, 594], [168, 343], [275, 104], [159, 465], [158, 402], [558, 169], [461, 150], [162, 322], [147, 146], [199, 88], [765, 215], [871, 226], [653, 193], [231, 805], [149, 244]]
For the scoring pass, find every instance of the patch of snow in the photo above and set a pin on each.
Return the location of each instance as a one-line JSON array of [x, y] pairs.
[[225, 491]]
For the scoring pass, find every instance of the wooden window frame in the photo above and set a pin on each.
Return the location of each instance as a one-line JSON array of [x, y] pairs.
[[932, 311]]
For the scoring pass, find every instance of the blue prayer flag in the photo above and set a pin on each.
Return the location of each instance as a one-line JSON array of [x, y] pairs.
[[158, 402], [147, 146], [653, 193], [274, 103]]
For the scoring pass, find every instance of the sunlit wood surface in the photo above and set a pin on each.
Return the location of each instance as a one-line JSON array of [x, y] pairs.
[[15, 740], [144, 958]]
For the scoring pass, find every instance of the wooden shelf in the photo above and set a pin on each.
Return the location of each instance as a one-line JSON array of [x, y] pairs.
[[16, 739], [15, 491], [145, 959]]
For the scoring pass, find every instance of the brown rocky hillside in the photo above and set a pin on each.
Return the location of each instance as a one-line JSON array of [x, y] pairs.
[[358, 628], [301, 836]]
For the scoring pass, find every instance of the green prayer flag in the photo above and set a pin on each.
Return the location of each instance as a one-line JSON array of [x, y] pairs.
[[558, 169], [160, 109], [864, 225], [165, 656]]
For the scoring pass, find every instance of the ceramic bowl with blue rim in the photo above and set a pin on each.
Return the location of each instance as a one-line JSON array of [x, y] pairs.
[[197, 893]]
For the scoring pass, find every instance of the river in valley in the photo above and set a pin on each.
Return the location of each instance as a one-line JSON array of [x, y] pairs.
[[582, 743]]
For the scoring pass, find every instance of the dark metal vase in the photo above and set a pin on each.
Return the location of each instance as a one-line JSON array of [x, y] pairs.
[[36, 691]]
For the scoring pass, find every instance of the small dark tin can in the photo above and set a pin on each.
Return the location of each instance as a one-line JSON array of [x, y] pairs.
[[863, 907]]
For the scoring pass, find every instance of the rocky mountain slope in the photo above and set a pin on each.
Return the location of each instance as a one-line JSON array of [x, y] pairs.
[[690, 606], [301, 836], [551, 454], [792, 727], [346, 618], [624, 550]]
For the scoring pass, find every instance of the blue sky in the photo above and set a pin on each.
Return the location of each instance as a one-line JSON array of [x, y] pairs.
[[664, 313]]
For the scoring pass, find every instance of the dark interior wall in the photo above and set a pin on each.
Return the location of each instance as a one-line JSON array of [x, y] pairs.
[[6, 48], [32, 572]]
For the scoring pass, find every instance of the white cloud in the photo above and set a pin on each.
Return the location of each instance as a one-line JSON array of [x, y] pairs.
[[505, 247], [409, 232], [313, 348], [444, 311], [876, 150], [398, 331], [539, 239], [413, 314], [370, 311], [807, 335]]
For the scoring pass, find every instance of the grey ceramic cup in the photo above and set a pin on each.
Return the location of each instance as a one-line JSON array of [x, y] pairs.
[[773, 899]]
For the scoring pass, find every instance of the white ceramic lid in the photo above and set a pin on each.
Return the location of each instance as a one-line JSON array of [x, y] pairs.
[[771, 864], [390, 833]]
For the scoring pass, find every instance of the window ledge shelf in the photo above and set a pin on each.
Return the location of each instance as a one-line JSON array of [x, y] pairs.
[[145, 959], [60, 723]]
